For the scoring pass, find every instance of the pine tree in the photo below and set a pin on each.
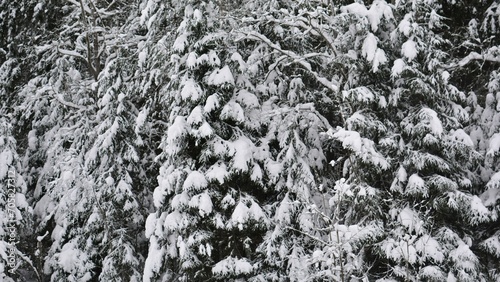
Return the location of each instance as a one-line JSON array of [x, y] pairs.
[[210, 199]]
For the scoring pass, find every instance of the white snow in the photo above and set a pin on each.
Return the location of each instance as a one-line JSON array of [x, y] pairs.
[[362, 147], [228, 201], [490, 196], [194, 181], [480, 213], [492, 244], [433, 120], [174, 132], [243, 149], [247, 99], [416, 185], [217, 172], [71, 259], [256, 173], [462, 137], [362, 94], [445, 75], [429, 248], [410, 220], [256, 212], [234, 111], [232, 266], [173, 221], [221, 76], [432, 272], [150, 225], [378, 10], [191, 90], [142, 58], [239, 216], [494, 144], [196, 116], [6, 158], [369, 47], [398, 67], [205, 130], [402, 175], [405, 26], [191, 60], [180, 43], [350, 139], [141, 119], [464, 258], [213, 59], [212, 103], [203, 202], [379, 59], [237, 58], [409, 50]]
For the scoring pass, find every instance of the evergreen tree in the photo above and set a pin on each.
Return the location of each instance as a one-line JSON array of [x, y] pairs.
[[211, 199], [15, 211]]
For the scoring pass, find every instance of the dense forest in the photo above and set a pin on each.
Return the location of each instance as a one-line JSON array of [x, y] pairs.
[[249, 140]]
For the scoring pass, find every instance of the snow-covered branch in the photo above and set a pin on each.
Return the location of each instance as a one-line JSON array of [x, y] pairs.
[[296, 58], [474, 56]]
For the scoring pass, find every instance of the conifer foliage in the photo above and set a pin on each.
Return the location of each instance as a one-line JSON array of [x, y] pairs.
[[244, 140]]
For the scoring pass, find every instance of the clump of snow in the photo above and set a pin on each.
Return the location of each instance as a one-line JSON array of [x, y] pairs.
[[240, 215], [212, 103], [429, 248], [492, 244], [243, 149], [72, 260], [217, 172], [142, 58], [409, 49], [416, 185], [194, 181], [369, 47], [150, 225], [398, 67], [405, 26], [141, 119], [203, 202], [196, 116], [233, 111], [180, 43], [410, 220], [379, 59], [432, 272], [479, 213], [232, 266], [432, 120], [362, 147], [494, 144], [492, 195], [191, 90], [361, 94], [462, 137], [378, 10], [174, 132], [205, 130], [191, 60], [213, 59], [221, 77], [247, 99], [402, 175]]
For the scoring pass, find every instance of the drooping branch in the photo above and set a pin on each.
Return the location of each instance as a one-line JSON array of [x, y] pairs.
[[296, 59]]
